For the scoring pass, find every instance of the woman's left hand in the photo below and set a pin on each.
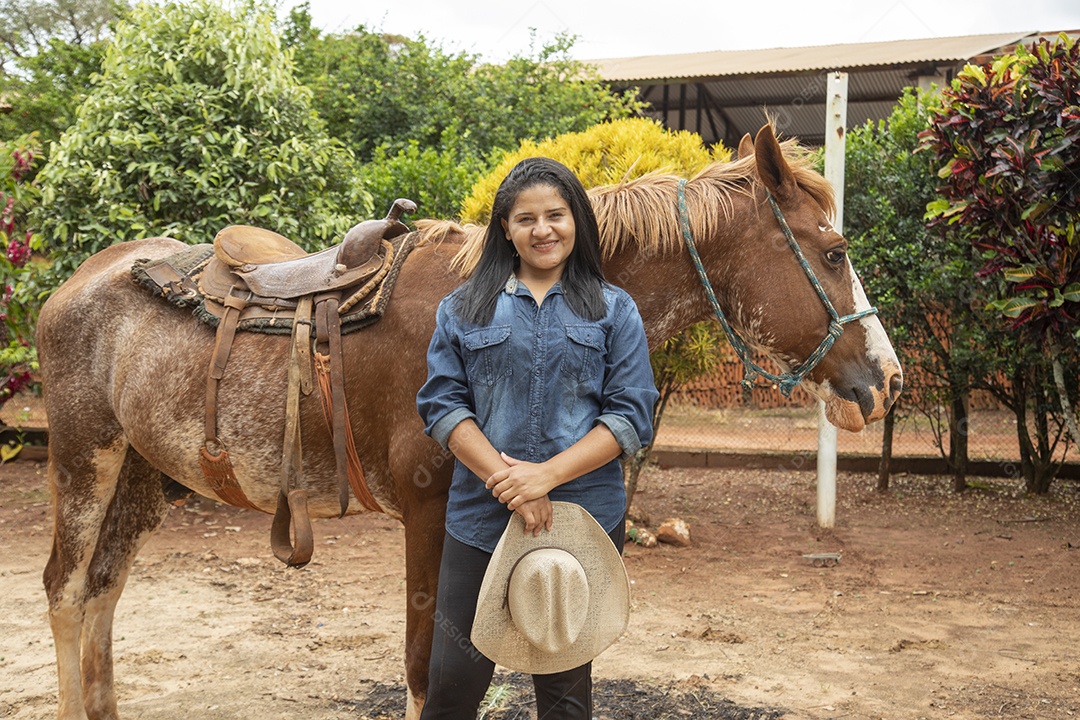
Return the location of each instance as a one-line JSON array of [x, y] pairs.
[[521, 482]]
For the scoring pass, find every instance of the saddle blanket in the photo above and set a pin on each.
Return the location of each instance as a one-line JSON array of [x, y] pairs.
[[176, 279]]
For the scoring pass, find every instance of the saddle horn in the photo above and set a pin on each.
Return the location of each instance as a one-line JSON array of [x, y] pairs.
[[364, 239]]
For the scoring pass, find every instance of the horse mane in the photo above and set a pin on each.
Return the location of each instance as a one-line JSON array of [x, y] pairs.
[[641, 215]]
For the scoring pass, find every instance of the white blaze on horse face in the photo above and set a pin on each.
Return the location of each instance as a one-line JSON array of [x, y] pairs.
[[878, 346]]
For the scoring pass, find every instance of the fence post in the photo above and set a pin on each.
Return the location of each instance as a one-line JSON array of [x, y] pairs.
[[835, 129]]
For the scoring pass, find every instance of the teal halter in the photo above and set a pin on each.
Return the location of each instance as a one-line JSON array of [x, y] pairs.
[[787, 381]]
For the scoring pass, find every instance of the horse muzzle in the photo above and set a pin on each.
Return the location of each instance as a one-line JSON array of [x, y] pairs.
[[861, 403]]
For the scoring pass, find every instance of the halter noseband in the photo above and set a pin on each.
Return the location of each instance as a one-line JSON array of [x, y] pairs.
[[787, 381]]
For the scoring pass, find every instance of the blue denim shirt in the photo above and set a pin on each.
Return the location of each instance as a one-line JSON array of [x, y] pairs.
[[536, 379]]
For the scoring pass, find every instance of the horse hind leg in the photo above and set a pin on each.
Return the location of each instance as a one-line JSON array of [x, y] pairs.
[[136, 511], [106, 507], [82, 478]]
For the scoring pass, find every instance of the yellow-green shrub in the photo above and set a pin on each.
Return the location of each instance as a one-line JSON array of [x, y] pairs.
[[602, 155]]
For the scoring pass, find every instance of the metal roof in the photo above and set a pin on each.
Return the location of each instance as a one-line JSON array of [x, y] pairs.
[[803, 59], [723, 94]]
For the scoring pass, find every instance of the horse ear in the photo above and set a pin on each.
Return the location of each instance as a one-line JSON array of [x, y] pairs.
[[772, 168], [746, 146]]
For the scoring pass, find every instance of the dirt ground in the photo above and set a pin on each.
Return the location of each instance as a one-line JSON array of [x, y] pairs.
[[941, 607]]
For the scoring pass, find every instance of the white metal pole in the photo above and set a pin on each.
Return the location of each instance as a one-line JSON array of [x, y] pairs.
[[835, 131]]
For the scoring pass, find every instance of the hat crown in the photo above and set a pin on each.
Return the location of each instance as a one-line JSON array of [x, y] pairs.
[[589, 611], [548, 598]]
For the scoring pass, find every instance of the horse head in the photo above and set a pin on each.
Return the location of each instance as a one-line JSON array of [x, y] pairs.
[[781, 313]]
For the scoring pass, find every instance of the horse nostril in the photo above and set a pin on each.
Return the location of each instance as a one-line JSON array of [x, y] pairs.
[[896, 385]]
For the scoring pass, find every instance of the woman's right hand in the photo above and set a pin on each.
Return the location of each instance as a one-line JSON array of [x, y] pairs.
[[536, 514]]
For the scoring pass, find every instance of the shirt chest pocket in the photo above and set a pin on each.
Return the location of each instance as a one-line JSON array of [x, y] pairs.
[[583, 355], [487, 354]]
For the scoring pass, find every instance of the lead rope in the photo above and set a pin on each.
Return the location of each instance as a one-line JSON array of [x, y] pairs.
[[786, 382]]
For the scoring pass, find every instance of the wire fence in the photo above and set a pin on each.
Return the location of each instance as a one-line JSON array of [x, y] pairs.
[[991, 433], [717, 413]]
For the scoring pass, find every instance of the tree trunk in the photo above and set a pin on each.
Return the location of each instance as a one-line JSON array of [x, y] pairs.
[[1059, 383], [1045, 469], [958, 437], [886, 451], [1021, 382], [633, 468]]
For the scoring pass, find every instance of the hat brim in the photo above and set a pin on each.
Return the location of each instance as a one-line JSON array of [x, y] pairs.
[[577, 532]]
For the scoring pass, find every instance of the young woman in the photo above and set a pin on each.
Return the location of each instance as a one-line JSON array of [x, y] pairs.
[[538, 382]]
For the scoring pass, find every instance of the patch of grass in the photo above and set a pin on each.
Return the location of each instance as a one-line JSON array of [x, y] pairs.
[[496, 699]]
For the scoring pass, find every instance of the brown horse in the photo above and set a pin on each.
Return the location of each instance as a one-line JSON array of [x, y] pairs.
[[125, 381]]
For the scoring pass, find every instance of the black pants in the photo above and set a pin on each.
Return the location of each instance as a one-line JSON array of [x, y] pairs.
[[460, 674]]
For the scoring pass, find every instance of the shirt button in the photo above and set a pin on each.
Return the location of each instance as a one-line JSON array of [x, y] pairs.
[[539, 334], [537, 373]]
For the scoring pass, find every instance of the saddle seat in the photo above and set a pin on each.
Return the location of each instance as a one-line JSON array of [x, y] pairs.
[[240, 245], [272, 266]]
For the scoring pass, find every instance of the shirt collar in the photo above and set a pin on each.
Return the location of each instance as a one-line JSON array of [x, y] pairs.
[[514, 286]]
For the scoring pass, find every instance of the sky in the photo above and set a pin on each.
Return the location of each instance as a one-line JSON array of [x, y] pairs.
[[499, 29]]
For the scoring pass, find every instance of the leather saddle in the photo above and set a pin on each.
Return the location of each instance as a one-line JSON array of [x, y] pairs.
[[273, 268], [259, 275]]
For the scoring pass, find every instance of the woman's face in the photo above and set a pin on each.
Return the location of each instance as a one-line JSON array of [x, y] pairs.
[[541, 226]]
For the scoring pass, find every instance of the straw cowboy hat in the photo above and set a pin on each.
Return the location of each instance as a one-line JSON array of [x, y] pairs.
[[553, 602]]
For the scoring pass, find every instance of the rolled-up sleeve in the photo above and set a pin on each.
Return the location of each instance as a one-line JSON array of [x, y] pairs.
[[444, 400], [629, 393]]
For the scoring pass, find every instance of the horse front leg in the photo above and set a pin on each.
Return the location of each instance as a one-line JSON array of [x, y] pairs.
[[137, 509], [424, 531]]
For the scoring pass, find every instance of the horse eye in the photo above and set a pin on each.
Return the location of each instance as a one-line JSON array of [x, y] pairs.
[[835, 256]]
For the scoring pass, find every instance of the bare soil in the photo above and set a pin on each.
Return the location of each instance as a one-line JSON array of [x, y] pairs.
[[941, 606]]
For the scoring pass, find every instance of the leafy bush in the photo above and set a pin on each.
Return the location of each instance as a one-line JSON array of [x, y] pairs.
[[602, 155], [196, 122], [1008, 139], [19, 269], [436, 179]]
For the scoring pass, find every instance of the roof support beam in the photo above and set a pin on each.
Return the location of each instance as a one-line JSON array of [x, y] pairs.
[[703, 95]]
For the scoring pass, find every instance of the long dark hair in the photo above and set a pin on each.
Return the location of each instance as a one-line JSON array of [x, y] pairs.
[[582, 279]]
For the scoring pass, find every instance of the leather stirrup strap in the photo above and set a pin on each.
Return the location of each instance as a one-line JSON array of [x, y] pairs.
[[223, 343], [357, 480], [285, 516], [296, 551], [328, 342], [330, 370], [292, 451], [214, 459]]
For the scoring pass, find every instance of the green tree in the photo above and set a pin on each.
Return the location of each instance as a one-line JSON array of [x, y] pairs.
[[1007, 138], [538, 95], [917, 277], [376, 89], [925, 286], [410, 109], [28, 27], [196, 122], [49, 49]]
